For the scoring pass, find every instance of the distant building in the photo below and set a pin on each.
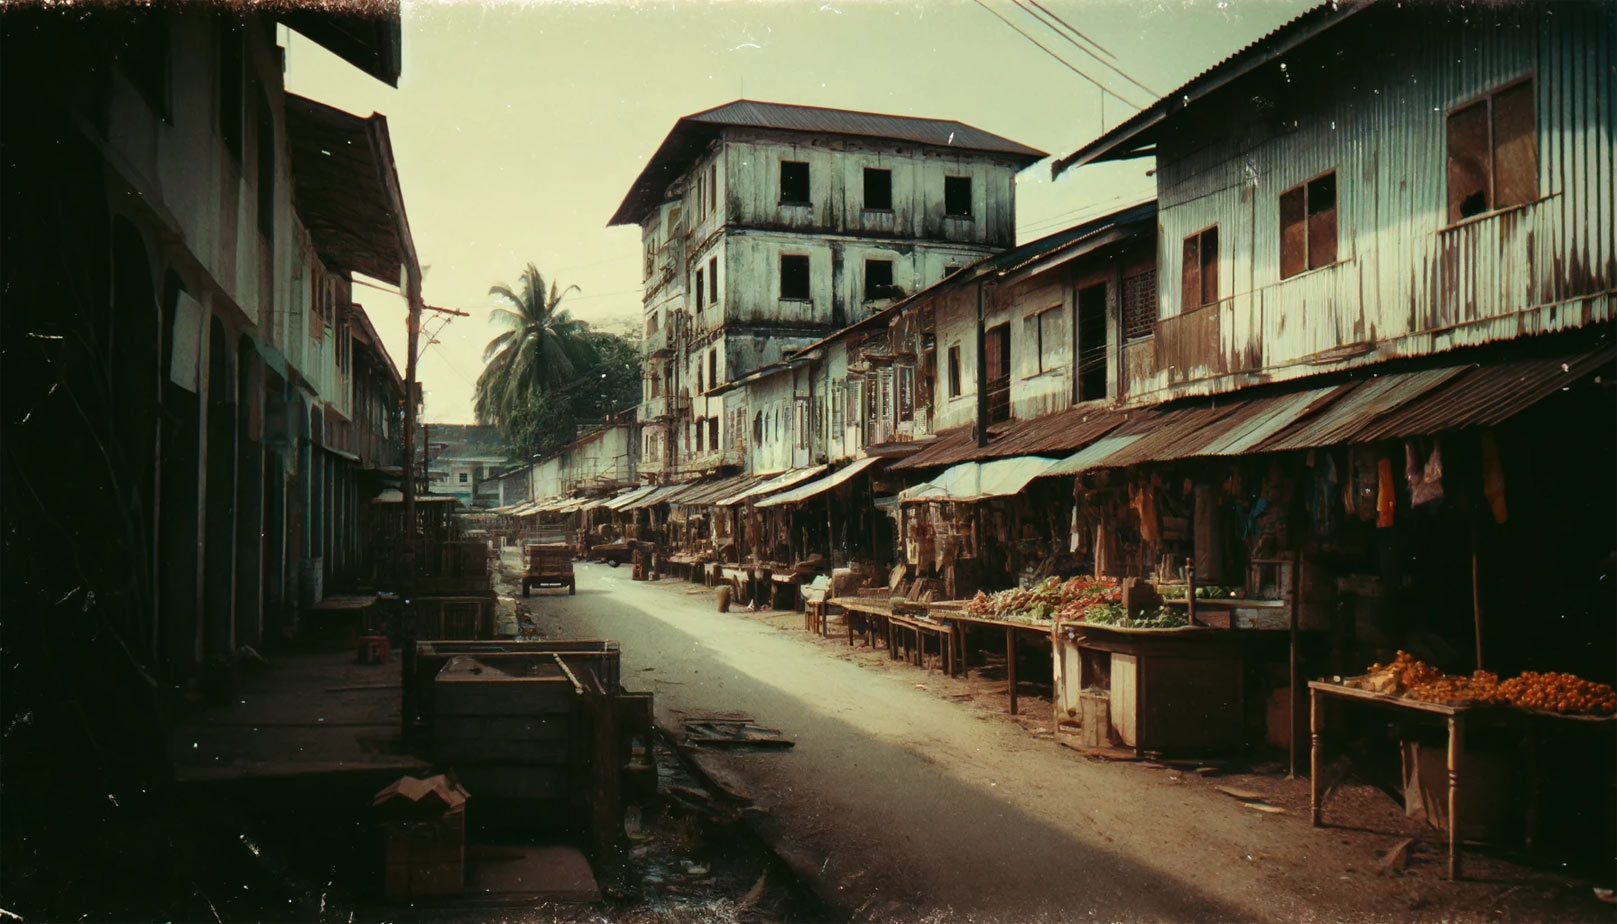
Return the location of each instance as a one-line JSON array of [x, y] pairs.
[[766, 227], [463, 461]]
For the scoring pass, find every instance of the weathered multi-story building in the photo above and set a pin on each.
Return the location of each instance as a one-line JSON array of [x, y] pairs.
[[767, 226]]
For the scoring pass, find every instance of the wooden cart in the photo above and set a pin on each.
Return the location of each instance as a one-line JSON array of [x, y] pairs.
[[548, 565]]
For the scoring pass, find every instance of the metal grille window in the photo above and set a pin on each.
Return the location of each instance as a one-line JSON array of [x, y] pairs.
[[1493, 152], [1308, 226], [794, 182], [1139, 304]]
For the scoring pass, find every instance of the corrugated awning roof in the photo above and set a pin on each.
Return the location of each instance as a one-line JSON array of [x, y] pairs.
[[709, 492], [1060, 432], [819, 485], [346, 190], [656, 497], [975, 481], [628, 497], [770, 485], [1359, 406], [1487, 395], [691, 135]]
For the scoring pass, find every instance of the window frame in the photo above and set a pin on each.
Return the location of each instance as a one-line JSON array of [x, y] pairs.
[[701, 292], [870, 288], [1201, 264], [970, 212], [1487, 99], [713, 280], [1305, 190], [808, 278], [865, 201], [952, 370], [1033, 327], [807, 181]]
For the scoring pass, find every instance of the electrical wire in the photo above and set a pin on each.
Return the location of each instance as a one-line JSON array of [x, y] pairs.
[[1119, 71], [1068, 64], [1071, 28]]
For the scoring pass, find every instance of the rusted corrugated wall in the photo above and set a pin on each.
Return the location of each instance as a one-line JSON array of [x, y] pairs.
[[1370, 101]]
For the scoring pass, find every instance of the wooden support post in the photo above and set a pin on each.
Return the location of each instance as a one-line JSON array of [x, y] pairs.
[[1456, 751], [1316, 759], [1296, 667], [1476, 590], [1010, 664], [1190, 591]]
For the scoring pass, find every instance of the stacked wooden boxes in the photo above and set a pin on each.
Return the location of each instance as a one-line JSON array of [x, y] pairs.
[[506, 725], [423, 824]]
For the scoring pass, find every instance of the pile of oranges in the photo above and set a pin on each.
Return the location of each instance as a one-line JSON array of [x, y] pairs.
[[1408, 671], [1480, 687], [1558, 692]]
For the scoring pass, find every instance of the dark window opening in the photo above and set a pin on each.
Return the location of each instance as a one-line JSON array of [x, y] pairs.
[[878, 279], [713, 188], [1139, 304], [701, 433], [1493, 153], [1308, 226], [713, 432], [794, 277], [230, 88], [997, 344], [701, 291], [954, 372], [1093, 356], [266, 168], [144, 59], [878, 189], [957, 196], [713, 280], [794, 182], [1199, 272], [712, 368]]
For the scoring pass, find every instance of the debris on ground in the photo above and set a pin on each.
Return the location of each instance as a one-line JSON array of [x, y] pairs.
[[1396, 859], [734, 733]]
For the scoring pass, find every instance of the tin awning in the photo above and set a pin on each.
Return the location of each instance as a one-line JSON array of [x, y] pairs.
[[628, 497], [656, 496], [709, 492], [770, 485], [819, 485], [975, 481]]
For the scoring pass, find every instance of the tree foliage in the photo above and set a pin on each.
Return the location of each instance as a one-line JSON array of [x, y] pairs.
[[548, 373]]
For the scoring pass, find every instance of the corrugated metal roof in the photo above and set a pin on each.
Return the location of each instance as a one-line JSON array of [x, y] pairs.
[[1486, 395], [1063, 431], [818, 486], [711, 492], [623, 500], [1093, 455], [777, 483], [1360, 405], [1282, 40], [655, 497], [691, 134], [975, 481]]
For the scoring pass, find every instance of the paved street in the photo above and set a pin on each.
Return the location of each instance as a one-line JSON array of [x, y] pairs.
[[910, 803]]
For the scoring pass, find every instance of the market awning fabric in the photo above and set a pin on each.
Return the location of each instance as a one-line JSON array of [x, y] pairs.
[[819, 485], [975, 481], [778, 483]]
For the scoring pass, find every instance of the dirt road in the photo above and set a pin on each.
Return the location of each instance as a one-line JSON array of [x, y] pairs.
[[907, 804]]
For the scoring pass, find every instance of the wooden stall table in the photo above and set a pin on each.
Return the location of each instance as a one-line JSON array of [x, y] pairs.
[[920, 627], [959, 620], [353, 611], [865, 613]]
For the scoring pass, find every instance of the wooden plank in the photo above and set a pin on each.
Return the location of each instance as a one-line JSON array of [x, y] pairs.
[[1125, 697]]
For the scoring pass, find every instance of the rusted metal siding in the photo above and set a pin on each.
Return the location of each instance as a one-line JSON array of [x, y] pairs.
[[1369, 100]]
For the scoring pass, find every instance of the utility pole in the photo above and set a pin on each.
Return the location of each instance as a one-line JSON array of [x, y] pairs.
[[982, 371]]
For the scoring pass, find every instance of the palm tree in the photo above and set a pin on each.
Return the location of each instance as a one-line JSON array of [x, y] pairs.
[[540, 351]]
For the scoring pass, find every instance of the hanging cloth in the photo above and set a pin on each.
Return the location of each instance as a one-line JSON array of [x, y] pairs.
[[1425, 479], [1493, 477], [1386, 499], [1366, 483]]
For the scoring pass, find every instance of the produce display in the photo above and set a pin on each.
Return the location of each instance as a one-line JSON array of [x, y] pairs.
[[1047, 600], [1112, 614], [1556, 692], [1203, 591]]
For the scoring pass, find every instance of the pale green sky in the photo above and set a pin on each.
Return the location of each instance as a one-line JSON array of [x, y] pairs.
[[518, 128]]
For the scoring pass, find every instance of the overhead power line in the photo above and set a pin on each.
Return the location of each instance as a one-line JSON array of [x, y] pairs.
[[1070, 28], [1064, 62], [1075, 43]]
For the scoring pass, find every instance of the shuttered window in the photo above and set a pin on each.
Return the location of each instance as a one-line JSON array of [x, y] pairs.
[[1308, 226], [1493, 153], [1199, 281]]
